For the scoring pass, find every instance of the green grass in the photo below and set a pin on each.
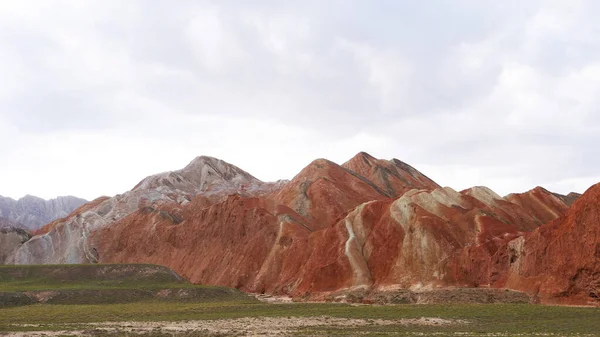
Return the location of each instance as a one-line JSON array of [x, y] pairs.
[[98, 284], [102, 284], [86, 277], [61, 277], [510, 319]]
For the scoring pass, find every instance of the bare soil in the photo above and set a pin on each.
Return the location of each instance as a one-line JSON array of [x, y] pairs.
[[263, 326]]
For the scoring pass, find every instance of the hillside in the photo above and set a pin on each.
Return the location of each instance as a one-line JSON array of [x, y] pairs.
[[369, 225], [560, 261]]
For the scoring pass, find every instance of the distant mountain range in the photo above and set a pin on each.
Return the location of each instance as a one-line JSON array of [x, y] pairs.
[[5, 223], [32, 213]]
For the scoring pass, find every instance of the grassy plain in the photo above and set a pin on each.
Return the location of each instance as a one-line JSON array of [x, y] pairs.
[[241, 315]]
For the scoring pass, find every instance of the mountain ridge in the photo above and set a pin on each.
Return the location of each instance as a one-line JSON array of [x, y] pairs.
[[367, 224], [33, 212]]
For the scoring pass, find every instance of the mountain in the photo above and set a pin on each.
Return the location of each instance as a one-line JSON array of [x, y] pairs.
[[560, 261], [392, 176], [33, 212], [5, 223], [12, 236], [369, 224], [568, 199], [205, 180], [542, 204]]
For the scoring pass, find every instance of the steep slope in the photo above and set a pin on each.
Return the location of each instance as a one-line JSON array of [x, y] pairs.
[[541, 203], [204, 244], [11, 238], [394, 177], [416, 241], [324, 191], [560, 261], [66, 241], [236, 242], [33, 212], [225, 243], [568, 199]]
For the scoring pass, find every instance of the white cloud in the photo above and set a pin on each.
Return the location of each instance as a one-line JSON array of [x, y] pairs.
[[216, 48], [471, 93]]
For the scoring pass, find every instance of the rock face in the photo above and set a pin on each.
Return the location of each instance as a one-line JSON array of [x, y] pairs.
[[559, 261], [568, 199], [206, 180], [33, 212], [391, 176], [542, 204], [368, 225], [415, 241], [11, 238]]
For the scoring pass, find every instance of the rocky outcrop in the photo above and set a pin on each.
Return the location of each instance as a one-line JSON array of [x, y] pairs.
[[559, 261], [33, 212], [11, 239]]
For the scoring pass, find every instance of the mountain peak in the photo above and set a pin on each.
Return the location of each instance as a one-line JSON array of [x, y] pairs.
[[205, 169], [392, 176], [203, 174], [203, 160]]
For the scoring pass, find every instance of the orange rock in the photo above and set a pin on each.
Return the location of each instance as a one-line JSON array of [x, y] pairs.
[[560, 261], [541, 203], [393, 177], [367, 225], [324, 191]]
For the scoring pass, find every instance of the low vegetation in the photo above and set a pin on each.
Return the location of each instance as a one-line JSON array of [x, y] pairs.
[[102, 284], [231, 312], [496, 319]]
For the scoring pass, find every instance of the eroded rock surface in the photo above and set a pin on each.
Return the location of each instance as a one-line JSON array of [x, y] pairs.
[[367, 225], [560, 261], [11, 239]]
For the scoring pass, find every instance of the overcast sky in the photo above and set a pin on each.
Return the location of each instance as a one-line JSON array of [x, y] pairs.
[[96, 95]]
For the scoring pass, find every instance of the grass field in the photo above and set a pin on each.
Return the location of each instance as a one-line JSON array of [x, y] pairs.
[[220, 311], [63, 277], [484, 320], [102, 284]]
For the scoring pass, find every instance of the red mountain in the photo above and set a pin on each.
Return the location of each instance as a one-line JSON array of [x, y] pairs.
[[559, 261], [369, 224]]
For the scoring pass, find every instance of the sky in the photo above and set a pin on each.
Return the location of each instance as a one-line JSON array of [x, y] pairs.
[[97, 95]]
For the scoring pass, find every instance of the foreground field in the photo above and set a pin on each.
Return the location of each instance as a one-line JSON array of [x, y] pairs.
[[151, 301], [102, 284], [250, 317]]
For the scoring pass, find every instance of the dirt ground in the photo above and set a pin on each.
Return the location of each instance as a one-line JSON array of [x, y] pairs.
[[263, 326]]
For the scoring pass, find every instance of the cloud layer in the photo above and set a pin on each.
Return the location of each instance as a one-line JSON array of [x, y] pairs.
[[98, 94]]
